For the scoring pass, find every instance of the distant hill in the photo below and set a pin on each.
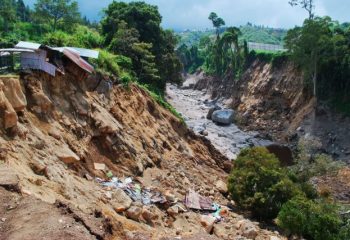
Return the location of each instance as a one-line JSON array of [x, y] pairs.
[[250, 32]]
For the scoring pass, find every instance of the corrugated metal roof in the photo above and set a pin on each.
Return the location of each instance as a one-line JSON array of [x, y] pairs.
[[75, 57], [15, 50], [83, 52], [28, 45]]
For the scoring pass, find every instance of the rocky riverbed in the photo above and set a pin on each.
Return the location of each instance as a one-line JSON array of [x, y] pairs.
[[194, 105]]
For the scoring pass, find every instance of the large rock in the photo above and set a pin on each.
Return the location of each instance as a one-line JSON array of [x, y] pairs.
[[212, 110], [134, 213], [66, 155], [221, 186], [120, 200], [207, 222], [223, 116], [8, 178], [248, 229]]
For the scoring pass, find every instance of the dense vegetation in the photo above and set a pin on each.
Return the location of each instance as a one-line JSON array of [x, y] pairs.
[[258, 183], [137, 47], [225, 50], [321, 48], [250, 32]]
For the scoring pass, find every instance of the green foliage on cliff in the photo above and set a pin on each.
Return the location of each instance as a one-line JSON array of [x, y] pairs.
[[258, 183], [316, 220], [133, 29], [321, 47]]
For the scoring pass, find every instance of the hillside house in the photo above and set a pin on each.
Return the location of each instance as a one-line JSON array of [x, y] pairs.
[[49, 59]]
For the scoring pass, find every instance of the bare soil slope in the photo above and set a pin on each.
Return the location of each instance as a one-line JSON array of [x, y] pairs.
[[53, 130]]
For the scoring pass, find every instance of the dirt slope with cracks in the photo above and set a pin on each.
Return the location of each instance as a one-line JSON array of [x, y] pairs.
[[53, 130]]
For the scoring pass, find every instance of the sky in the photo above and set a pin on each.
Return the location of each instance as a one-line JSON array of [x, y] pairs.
[[193, 14]]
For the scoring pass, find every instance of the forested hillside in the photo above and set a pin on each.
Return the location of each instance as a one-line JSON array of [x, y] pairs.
[[320, 48], [250, 32]]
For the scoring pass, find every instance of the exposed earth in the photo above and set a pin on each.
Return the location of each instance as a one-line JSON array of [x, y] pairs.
[[60, 137]]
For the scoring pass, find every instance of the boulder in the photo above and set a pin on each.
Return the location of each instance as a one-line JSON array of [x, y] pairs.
[[224, 117], [134, 213], [248, 229], [8, 179], [207, 222], [148, 216], [14, 93], [66, 155], [221, 186], [204, 133], [212, 110], [120, 200]]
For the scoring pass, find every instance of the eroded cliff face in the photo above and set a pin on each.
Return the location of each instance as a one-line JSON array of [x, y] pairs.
[[268, 99], [53, 131]]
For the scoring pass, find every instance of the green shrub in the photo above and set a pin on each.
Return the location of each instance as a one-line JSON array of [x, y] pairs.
[[259, 184], [311, 219], [86, 37], [59, 39], [161, 101]]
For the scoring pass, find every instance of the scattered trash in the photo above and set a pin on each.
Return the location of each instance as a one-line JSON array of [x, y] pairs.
[[109, 174], [217, 212], [146, 196], [100, 166]]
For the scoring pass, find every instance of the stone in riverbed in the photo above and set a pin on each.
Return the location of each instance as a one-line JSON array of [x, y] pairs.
[[223, 116], [212, 110]]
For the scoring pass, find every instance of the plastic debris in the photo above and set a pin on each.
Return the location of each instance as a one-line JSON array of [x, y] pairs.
[[100, 166], [109, 174], [135, 191]]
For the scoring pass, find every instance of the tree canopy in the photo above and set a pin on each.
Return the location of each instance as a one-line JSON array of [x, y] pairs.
[[57, 11], [134, 29]]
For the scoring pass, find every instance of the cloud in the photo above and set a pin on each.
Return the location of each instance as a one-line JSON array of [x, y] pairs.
[[193, 14]]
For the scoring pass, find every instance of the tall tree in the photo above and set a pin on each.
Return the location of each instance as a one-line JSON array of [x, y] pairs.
[[22, 11], [56, 11], [7, 13], [145, 19], [230, 37], [308, 5], [307, 45], [218, 22]]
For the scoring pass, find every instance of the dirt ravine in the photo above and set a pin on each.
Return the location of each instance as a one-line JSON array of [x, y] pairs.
[[194, 105]]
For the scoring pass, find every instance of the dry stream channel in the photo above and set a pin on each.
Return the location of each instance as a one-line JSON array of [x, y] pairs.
[[194, 105]]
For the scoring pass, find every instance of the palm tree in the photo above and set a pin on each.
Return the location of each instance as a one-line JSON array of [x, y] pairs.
[[230, 39]]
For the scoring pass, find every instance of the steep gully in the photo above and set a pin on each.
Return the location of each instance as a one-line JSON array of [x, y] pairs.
[[194, 105]]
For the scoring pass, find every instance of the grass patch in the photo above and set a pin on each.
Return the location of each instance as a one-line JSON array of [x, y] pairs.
[[9, 75], [161, 101], [275, 58]]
